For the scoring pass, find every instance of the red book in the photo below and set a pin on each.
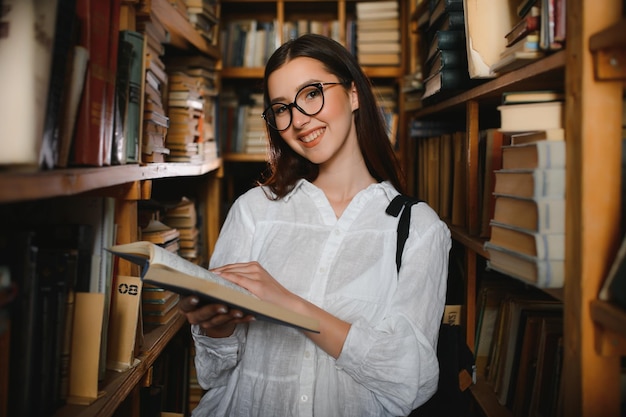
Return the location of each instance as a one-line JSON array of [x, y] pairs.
[[93, 131]]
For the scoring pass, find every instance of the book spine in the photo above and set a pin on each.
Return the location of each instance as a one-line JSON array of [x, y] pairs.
[[91, 131]]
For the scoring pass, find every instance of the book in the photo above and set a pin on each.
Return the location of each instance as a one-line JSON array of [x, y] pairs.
[[515, 60], [93, 137], [521, 138], [544, 155], [526, 25], [379, 58], [538, 245], [519, 309], [445, 59], [531, 116], [442, 7], [529, 43], [530, 183], [542, 273], [172, 272], [531, 96], [446, 39], [26, 50], [122, 331], [547, 369], [491, 157], [135, 94], [75, 83], [446, 80], [62, 49], [486, 25], [542, 215]]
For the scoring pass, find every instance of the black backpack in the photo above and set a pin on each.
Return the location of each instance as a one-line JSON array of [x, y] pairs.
[[456, 360]]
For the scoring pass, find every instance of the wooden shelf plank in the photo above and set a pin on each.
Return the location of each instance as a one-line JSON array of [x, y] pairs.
[[486, 399], [542, 74], [20, 186], [608, 48], [181, 29], [245, 157], [611, 333]]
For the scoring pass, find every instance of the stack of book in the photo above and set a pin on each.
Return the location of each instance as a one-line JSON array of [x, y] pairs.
[[378, 39], [200, 75], [528, 226], [161, 234], [445, 68], [183, 217], [186, 114], [155, 121], [158, 305], [203, 16]]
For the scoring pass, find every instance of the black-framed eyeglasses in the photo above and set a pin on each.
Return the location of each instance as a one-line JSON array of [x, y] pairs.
[[309, 100]]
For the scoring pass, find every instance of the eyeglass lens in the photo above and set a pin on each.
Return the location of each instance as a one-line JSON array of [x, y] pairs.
[[309, 100]]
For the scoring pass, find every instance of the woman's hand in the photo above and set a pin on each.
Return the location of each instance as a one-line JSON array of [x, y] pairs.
[[253, 277], [215, 320]]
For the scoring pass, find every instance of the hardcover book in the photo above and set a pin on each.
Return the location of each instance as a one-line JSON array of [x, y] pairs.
[[172, 272]]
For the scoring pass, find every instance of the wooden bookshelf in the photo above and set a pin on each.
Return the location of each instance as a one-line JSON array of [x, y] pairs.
[[127, 184], [281, 12], [591, 71]]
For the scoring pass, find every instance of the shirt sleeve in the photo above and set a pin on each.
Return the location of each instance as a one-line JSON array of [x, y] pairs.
[[396, 359]]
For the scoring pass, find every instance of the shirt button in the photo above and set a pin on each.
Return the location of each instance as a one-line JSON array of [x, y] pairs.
[[304, 398], [307, 354]]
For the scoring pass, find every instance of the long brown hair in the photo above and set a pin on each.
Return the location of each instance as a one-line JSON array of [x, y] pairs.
[[286, 167]]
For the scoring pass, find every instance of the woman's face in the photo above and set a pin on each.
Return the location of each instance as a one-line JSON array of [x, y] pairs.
[[327, 135]]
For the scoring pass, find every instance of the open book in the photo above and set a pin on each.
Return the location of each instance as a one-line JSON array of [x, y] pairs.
[[167, 270]]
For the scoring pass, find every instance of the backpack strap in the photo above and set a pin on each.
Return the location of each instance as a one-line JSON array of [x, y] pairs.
[[401, 203]]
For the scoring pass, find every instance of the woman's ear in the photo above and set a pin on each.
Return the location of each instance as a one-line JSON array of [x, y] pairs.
[[354, 97]]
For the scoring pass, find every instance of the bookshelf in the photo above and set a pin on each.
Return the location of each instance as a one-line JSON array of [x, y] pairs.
[[281, 14], [127, 184], [591, 72]]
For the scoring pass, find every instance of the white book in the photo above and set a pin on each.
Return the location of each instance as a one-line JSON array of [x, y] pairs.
[[26, 49]]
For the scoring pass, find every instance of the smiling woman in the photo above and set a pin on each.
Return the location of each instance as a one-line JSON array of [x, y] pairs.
[[315, 238]]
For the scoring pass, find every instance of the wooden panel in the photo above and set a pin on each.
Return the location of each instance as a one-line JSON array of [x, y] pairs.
[[591, 382]]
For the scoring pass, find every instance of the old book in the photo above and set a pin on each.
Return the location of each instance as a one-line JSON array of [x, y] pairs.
[[447, 58], [486, 25], [534, 155], [531, 96], [492, 161], [64, 34], [548, 367], [379, 58], [518, 312], [515, 60], [26, 50], [531, 116], [135, 95], [521, 138], [543, 215], [459, 188], [446, 80], [539, 245], [170, 271], [125, 302], [93, 138], [526, 25], [542, 273], [442, 7], [86, 340], [530, 183], [446, 39], [75, 82]]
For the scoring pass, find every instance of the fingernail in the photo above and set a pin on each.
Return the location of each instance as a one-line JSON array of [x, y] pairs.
[[222, 310]]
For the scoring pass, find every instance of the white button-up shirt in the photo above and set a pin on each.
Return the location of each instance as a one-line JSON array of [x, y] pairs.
[[346, 266]]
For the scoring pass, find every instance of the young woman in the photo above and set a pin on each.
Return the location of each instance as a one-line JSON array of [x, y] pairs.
[[315, 238]]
